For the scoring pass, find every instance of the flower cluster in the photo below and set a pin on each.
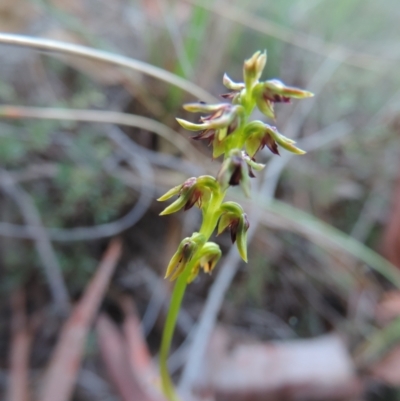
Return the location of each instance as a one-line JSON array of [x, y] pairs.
[[227, 128]]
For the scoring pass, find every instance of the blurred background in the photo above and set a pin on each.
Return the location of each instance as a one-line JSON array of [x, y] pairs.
[[86, 148]]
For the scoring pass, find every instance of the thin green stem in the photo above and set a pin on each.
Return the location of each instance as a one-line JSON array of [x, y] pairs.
[[210, 220], [169, 328]]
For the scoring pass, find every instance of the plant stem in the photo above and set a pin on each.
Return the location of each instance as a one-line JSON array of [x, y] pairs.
[[169, 328], [210, 219]]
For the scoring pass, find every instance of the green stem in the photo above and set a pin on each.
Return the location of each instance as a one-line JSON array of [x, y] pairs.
[[169, 328], [210, 220]]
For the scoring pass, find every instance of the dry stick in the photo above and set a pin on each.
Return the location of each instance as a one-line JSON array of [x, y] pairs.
[[44, 247], [103, 116], [46, 45], [60, 377], [18, 388]]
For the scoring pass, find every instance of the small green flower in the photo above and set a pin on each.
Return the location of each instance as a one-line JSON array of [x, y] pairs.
[[194, 191], [233, 217], [186, 250], [208, 257], [223, 120], [274, 91], [235, 171], [258, 135]]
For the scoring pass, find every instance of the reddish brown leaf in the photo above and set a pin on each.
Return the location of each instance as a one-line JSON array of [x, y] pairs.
[[61, 374], [113, 350], [139, 355]]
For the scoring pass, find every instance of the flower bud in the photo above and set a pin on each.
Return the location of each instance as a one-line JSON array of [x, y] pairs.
[[233, 217], [208, 257], [253, 68]]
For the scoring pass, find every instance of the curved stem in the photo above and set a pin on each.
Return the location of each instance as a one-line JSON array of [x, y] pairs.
[[47, 45]]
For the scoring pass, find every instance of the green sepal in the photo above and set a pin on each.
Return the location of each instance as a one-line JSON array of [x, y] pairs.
[[224, 221], [218, 147], [221, 133], [253, 127], [175, 206], [229, 212], [172, 192], [254, 132], [264, 105], [241, 239], [231, 207], [253, 68], [286, 143], [191, 126], [256, 166], [208, 181], [234, 86], [224, 120], [252, 144], [204, 107], [276, 86]]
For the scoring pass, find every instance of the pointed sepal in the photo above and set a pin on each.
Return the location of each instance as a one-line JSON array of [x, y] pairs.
[[253, 68], [234, 86]]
